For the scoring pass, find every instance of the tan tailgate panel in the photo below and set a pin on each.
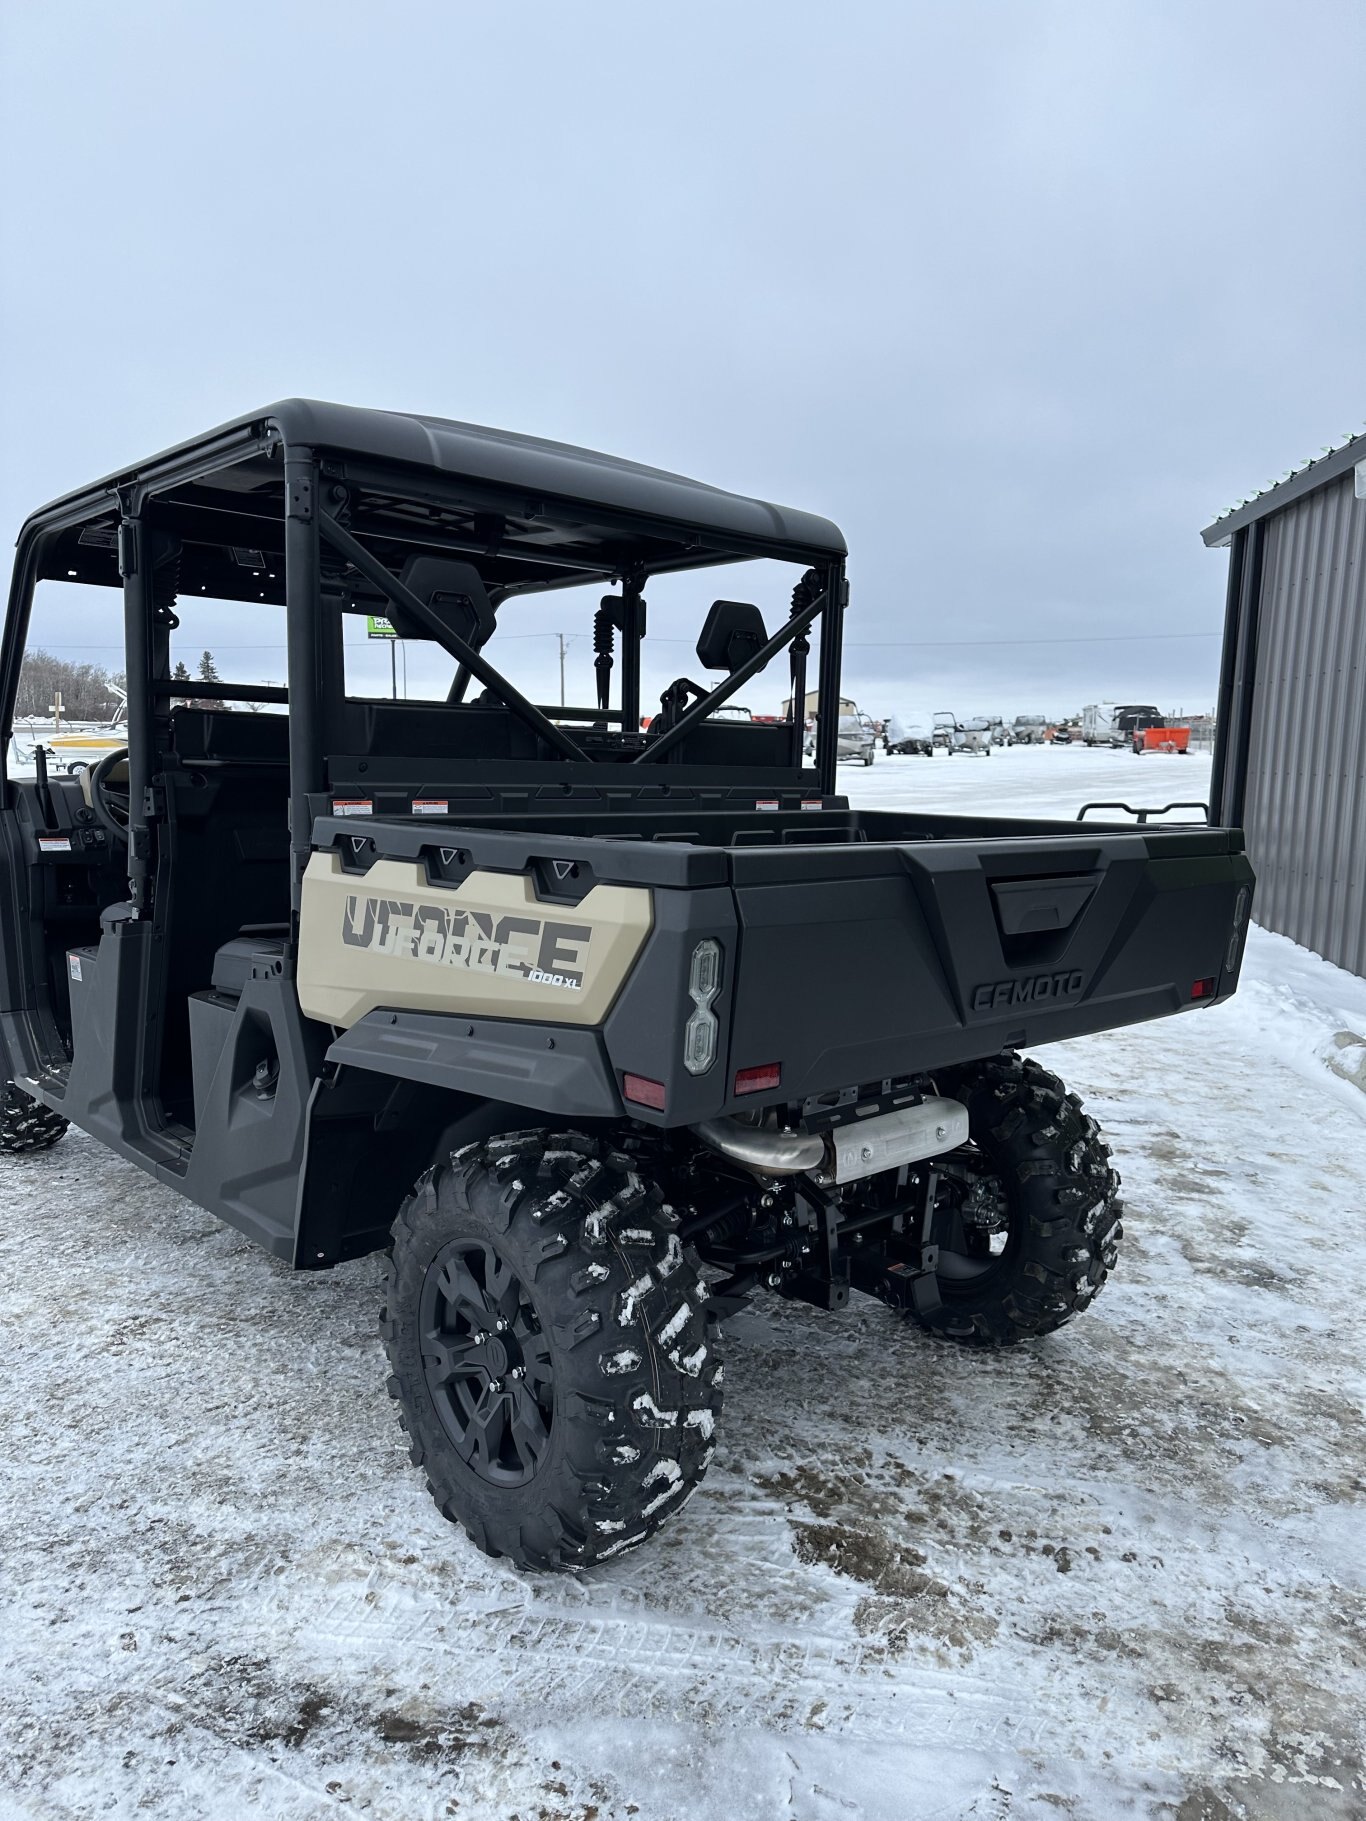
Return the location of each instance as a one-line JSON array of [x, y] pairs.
[[391, 938]]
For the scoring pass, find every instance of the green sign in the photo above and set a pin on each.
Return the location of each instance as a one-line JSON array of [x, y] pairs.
[[376, 627]]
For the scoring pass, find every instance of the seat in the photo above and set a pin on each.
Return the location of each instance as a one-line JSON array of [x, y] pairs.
[[733, 633], [254, 954]]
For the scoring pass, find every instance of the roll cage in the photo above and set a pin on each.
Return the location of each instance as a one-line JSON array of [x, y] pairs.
[[324, 509]]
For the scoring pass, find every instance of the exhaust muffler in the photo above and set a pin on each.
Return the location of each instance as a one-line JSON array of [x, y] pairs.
[[863, 1147]]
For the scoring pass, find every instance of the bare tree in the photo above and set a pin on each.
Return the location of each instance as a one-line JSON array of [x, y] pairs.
[[88, 693]]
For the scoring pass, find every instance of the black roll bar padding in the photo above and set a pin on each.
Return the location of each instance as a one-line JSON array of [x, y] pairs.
[[736, 680], [374, 571]]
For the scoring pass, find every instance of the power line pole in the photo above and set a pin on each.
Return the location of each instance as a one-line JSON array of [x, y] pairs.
[[560, 637]]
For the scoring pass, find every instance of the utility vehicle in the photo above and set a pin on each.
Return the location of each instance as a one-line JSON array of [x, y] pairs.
[[592, 1030]]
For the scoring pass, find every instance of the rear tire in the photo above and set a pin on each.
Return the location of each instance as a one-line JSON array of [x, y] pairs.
[[26, 1124], [570, 1433], [1051, 1169]]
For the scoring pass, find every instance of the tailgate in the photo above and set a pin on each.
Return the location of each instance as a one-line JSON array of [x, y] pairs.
[[862, 962]]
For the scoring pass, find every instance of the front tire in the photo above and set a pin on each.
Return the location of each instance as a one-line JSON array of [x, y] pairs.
[[553, 1352], [1028, 1218], [26, 1124]]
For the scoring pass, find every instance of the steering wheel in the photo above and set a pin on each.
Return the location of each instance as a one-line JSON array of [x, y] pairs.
[[110, 810]]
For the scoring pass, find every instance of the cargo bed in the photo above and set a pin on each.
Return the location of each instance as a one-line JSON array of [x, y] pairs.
[[859, 946]]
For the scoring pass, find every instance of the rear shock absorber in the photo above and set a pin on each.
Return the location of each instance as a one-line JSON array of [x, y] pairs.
[[604, 630]]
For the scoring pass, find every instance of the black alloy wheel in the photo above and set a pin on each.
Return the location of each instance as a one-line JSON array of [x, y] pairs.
[[553, 1348], [486, 1362]]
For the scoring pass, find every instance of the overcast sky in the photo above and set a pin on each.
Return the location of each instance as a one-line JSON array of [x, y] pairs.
[[1021, 294]]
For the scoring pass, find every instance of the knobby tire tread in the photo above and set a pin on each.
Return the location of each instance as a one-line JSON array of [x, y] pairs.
[[637, 1376]]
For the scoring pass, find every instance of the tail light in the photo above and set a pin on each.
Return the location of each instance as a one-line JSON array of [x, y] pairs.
[[643, 1092], [759, 1080], [701, 1033]]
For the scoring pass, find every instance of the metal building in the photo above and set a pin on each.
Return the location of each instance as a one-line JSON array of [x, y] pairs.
[[1292, 701]]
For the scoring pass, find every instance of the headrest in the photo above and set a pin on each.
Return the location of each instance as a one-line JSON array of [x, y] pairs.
[[452, 588], [734, 631]]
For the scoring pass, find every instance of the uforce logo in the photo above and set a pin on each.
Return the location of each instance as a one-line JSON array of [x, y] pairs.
[[999, 995], [540, 950]]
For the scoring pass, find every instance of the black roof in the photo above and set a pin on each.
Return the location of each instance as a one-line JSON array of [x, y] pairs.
[[502, 458], [1329, 466]]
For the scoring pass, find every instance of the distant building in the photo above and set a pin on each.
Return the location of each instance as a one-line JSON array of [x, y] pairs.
[[1292, 700]]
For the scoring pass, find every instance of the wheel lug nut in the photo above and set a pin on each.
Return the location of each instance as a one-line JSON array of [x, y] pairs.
[[517, 1372], [500, 1326]]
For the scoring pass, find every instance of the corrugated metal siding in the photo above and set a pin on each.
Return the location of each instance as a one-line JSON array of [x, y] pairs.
[[1306, 801]]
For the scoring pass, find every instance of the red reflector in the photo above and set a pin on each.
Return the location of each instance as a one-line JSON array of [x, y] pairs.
[[643, 1091], [755, 1081], [1204, 989]]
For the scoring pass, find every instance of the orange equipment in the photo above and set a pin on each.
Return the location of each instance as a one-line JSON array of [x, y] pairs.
[[1162, 739]]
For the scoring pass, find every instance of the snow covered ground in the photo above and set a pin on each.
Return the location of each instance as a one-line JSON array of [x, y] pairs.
[[1118, 1574], [1030, 780]]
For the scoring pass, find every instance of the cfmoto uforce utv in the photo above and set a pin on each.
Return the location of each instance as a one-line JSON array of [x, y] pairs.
[[593, 1029]]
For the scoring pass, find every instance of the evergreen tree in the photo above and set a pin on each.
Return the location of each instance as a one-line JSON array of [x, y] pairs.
[[207, 671]]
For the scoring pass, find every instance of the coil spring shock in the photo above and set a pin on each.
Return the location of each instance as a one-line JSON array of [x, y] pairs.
[[604, 638]]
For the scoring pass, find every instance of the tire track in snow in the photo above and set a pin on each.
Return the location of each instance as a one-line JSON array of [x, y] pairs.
[[548, 1656]]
